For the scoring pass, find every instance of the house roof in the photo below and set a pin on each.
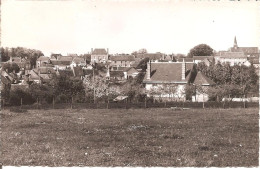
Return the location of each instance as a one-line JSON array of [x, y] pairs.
[[151, 56], [164, 72], [246, 50], [203, 57], [123, 58], [65, 58], [254, 60], [116, 73], [131, 70], [4, 80], [46, 70], [201, 79], [43, 58], [232, 55], [33, 75], [100, 52], [78, 60]]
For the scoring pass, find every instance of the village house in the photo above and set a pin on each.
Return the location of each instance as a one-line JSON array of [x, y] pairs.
[[202, 84], [99, 56], [42, 61], [248, 51], [162, 76], [206, 59], [233, 58], [62, 62], [78, 61], [152, 56], [122, 60], [23, 63]]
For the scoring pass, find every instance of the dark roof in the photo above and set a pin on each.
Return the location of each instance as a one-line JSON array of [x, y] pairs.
[[123, 58], [65, 58], [4, 80], [201, 79], [65, 72], [151, 56], [116, 73], [233, 55], [203, 57], [78, 60], [99, 52], [43, 58], [164, 72], [78, 71], [246, 50]]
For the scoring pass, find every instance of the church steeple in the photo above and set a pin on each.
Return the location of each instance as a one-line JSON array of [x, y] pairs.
[[235, 43]]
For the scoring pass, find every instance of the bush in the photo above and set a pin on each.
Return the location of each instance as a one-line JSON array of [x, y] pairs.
[[16, 95]]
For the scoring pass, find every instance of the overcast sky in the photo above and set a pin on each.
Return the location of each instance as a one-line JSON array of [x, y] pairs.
[[124, 26]]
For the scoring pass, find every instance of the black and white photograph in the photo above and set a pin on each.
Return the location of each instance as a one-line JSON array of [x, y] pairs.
[[129, 83]]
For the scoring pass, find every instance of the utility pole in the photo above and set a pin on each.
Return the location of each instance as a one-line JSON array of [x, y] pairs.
[[94, 85]]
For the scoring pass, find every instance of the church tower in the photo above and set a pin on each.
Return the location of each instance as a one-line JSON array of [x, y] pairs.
[[235, 43]]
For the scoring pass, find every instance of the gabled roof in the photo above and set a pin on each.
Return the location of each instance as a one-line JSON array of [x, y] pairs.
[[151, 56], [4, 80], [43, 58], [99, 52], [201, 79], [65, 58], [78, 60], [232, 55], [131, 70], [123, 58], [164, 72]]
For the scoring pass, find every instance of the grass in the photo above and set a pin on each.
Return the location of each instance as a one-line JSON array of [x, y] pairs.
[[133, 137]]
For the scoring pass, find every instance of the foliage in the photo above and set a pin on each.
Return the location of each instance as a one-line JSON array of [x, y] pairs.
[[42, 92], [10, 67], [16, 95], [31, 54], [68, 87], [190, 91], [201, 50], [225, 75], [143, 64]]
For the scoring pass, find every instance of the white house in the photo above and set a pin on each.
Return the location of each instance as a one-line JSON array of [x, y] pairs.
[[167, 80]]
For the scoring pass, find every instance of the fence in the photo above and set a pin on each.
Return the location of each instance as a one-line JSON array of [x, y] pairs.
[[139, 105]]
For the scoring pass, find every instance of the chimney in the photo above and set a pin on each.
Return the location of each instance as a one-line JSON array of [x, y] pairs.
[[91, 50], [183, 70], [148, 70], [107, 50]]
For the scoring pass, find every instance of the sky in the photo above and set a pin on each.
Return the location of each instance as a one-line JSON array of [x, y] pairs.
[[129, 25]]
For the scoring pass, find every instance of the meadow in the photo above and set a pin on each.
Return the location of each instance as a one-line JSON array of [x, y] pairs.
[[130, 137]]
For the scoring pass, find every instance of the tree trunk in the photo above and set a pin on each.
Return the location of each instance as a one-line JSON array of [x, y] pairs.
[[53, 102], [21, 102]]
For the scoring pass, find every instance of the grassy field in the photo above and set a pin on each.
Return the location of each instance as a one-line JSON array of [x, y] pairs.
[[133, 137]]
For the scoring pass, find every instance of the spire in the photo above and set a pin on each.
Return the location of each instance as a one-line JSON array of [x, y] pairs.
[[235, 42]]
